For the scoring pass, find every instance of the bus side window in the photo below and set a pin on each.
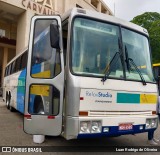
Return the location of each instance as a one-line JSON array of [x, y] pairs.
[[13, 67], [24, 60], [6, 71], [9, 69], [18, 64]]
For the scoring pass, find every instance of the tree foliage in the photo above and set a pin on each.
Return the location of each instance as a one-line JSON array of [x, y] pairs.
[[151, 21]]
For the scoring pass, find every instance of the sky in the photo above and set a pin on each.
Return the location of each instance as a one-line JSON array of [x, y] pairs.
[[128, 9]]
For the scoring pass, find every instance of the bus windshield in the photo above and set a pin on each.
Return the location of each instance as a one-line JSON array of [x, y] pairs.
[[137, 48], [95, 43]]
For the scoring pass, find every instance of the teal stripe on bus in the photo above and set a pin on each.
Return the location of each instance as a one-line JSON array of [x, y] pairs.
[[21, 91], [128, 98]]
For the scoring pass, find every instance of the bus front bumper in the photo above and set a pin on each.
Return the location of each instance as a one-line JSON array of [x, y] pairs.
[[94, 127]]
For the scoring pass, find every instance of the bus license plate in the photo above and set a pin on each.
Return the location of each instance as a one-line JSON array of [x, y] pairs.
[[125, 126]]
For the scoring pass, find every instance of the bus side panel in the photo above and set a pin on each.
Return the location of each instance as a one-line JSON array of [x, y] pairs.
[[5, 88], [21, 91]]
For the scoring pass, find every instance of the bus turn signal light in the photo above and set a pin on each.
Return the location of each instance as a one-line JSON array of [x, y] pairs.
[[154, 112], [83, 113]]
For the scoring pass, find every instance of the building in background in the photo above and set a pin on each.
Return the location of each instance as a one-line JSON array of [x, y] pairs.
[[15, 17]]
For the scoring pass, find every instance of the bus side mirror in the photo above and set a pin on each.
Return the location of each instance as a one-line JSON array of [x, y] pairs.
[[54, 36]]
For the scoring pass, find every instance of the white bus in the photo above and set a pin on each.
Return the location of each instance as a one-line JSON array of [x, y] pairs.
[[85, 77], [14, 82]]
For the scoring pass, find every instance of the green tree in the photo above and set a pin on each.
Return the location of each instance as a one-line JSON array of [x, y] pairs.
[[151, 21]]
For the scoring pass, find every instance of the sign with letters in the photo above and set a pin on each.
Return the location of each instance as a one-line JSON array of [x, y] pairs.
[[44, 7]]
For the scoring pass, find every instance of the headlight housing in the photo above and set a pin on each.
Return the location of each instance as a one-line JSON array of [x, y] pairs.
[[154, 123], [85, 127], [96, 127], [90, 127], [151, 123]]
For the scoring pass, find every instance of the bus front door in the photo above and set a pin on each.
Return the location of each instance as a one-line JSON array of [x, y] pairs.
[[45, 77]]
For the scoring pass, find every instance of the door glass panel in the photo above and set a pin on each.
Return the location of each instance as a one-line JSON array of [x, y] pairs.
[[45, 59], [44, 100]]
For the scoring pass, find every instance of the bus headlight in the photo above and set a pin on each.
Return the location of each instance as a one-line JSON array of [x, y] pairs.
[[85, 127], [154, 123], [96, 127], [148, 124], [151, 123]]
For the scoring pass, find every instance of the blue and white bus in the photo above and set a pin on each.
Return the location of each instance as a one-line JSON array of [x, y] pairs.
[[15, 81], [84, 77]]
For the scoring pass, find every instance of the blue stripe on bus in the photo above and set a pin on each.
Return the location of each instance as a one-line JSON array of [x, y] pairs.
[[36, 69], [20, 102], [21, 91], [113, 132], [31, 103]]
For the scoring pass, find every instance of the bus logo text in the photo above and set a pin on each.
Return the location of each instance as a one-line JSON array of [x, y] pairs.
[[99, 94]]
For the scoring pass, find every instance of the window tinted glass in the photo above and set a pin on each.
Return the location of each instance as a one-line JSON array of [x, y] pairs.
[[9, 70], [6, 71], [45, 59], [18, 64], [13, 67], [24, 60]]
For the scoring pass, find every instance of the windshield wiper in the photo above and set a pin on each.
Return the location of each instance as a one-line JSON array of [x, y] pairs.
[[128, 60], [109, 66], [138, 71]]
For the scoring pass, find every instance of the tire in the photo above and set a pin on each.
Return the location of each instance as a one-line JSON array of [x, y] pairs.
[[7, 102]]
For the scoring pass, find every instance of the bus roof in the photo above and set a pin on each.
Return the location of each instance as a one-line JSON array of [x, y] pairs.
[[104, 17]]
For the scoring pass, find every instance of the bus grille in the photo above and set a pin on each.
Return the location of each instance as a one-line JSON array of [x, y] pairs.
[[119, 113]]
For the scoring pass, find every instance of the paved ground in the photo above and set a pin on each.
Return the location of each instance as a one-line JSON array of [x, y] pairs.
[[11, 134]]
